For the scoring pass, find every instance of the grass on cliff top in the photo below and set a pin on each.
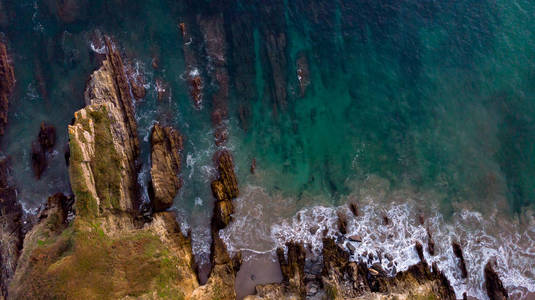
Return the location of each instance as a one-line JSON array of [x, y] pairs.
[[106, 165], [84, 263]]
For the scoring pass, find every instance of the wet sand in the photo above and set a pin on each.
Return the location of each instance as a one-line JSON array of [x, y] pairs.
[[256, 269]]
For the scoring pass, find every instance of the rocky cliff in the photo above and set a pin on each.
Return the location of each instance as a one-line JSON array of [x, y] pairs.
[[107, 251]]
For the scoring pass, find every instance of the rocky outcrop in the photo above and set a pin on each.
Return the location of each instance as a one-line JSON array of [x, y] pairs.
[[104, 145], [165, 158], [7, 82], [41, 148], [343, 279], [458, 251], [493, 284], [225, 188], [106, 251], [11, 234]]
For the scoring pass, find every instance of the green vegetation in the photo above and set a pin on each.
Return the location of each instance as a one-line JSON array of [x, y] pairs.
[[84, 263], [107, 168]]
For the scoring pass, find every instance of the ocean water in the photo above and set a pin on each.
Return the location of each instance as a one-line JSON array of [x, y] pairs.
[[412, 108]]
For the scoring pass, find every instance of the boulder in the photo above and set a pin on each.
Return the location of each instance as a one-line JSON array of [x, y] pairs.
[[165, 166]]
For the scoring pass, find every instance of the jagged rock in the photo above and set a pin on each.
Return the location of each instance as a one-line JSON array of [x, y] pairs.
[[342, 222], [430, 243], [137, 84], [354, 208], [227, 178], [104, 145], [11, 234], [493, 284], [293, 268], [165, 158], [420, 250], [342, 279], [224, 189], [458, 251], [7, 82]]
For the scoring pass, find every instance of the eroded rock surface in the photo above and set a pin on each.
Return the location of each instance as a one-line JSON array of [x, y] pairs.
[[7, 82], [11, 234], [165, 157], [493, 283], [344, 279]]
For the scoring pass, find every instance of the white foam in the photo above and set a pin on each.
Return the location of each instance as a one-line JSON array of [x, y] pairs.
[[482, 238]]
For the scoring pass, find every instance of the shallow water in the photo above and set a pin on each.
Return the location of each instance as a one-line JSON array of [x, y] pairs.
[[412, 107]]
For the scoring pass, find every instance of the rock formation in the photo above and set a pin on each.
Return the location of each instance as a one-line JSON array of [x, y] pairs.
[[225, 188], [106, 251], [493, 284], [343, 279], [165, 158], [7, 82], [458, 251]]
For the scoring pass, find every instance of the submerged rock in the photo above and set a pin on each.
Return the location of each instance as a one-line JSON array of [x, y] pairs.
[[7, 82], [165, 158], [46, 139], [303, 73]]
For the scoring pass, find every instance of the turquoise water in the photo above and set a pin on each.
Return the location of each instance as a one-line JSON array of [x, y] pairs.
[[425, 102]]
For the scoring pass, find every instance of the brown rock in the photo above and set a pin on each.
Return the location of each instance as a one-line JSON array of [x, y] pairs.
[[342, 222], [430, 243], [354, 208], [420, 250], [293, 268], [493, 284], [196, 90], [165, 158], [7, 82], [458, 251], [355, 238], [138, 89], [228, 184]]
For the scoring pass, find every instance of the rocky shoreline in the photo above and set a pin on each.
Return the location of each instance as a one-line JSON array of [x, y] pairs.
[[98, 244]]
